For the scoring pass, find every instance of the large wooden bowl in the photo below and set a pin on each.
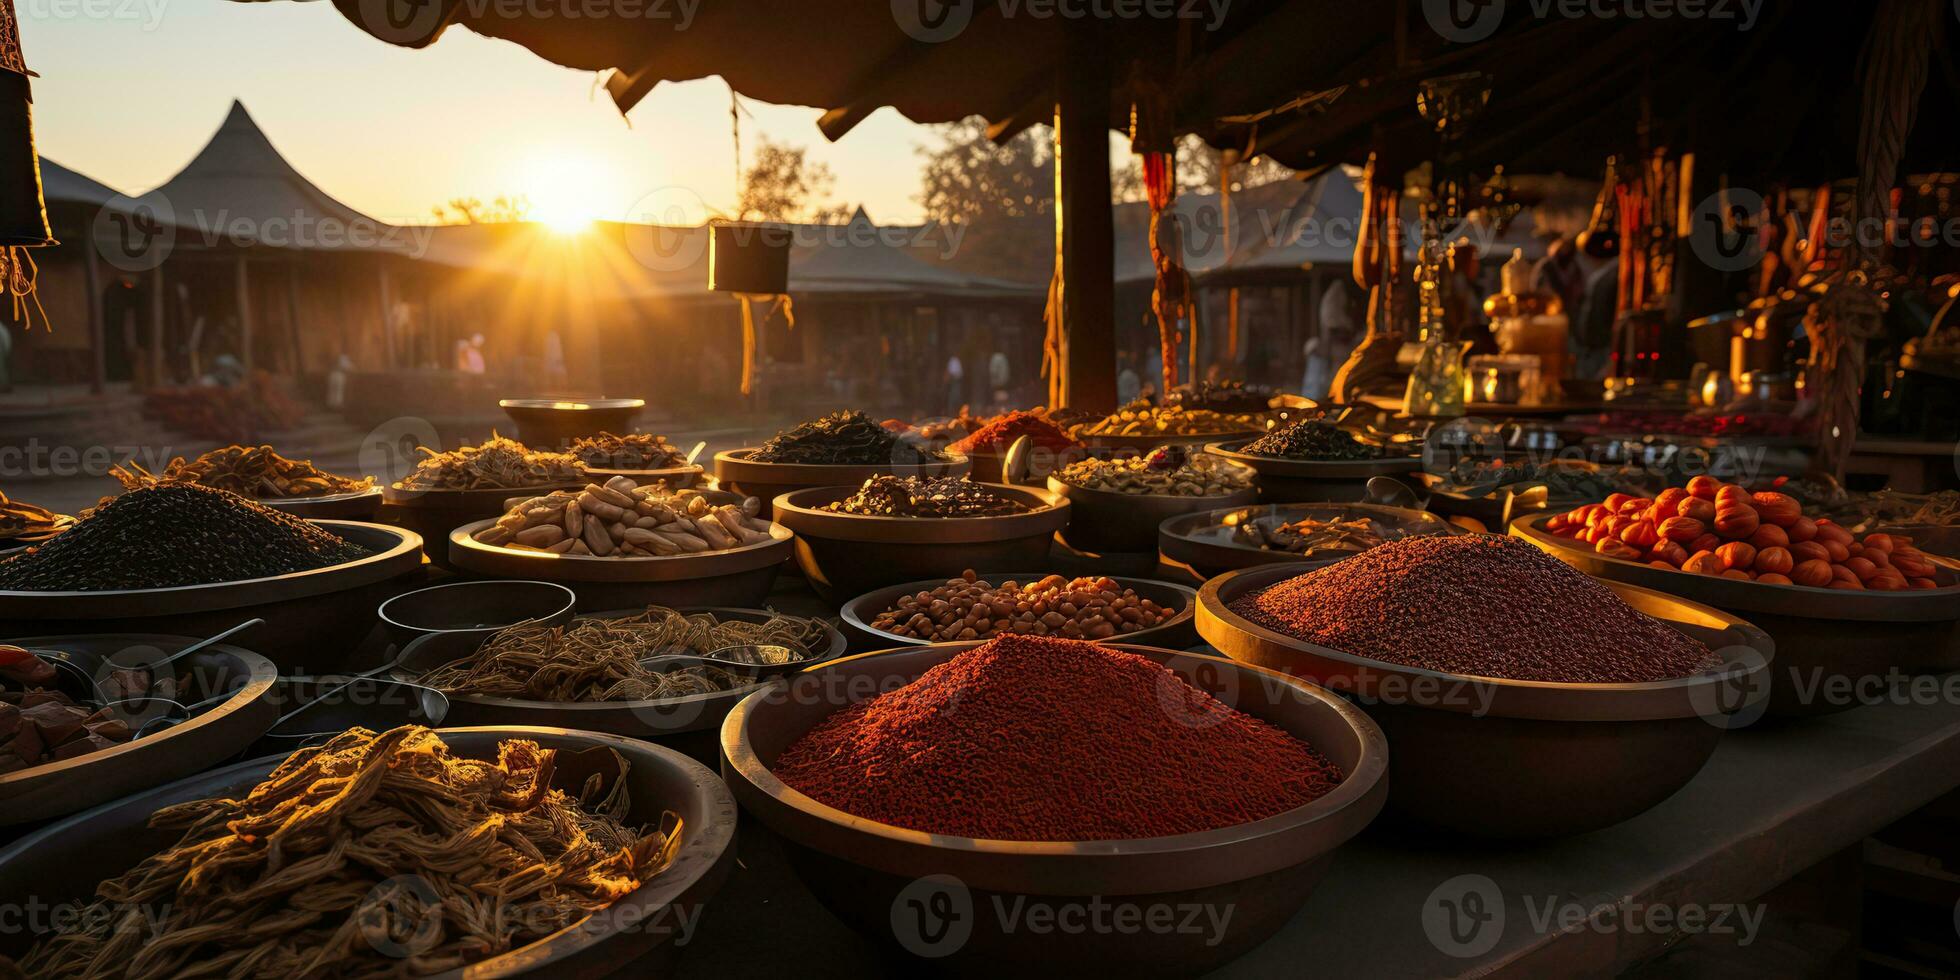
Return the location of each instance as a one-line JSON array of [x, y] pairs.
[[1508, 759], [849, 554], [63, 863], [1287, 481], [738, 577], [735, 471], [864, 871], [1175, 633]]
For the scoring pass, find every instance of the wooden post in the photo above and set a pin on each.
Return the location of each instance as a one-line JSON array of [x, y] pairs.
[[1085, 244], [387, 317], [244, 316], [296, 347], [97, 332], [157, 300]]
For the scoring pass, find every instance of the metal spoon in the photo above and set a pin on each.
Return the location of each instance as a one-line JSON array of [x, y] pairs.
[[156, 665], [757, 659]]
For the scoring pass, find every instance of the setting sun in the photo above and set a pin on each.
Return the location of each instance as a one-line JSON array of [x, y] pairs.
[[567, 190]]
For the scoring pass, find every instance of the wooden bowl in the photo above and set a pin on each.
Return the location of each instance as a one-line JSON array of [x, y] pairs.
[[213, 735], [313, 619], [434, 513], [735, 471], [1287, 481], [1835, 649], [850, 554], [552, 423], [63, 863], [865, 871], [675, 477], [1106, 521], [738, 577], [358, 505], [1204, 541], [1507, 759], [1175, 633]]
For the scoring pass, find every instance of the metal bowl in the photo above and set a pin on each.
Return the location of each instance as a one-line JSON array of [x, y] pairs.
[[1286, 481], [1508, 759], [334, 703], [313, 619], [1104, 520], [738, 577], [866, 872], [213, 735], [358, 505], [734, 470], [62, 864], [1204, 541], [552, 423], [477, 608], [1176, 632], [991, 467], [1835, 649], [675, 477], [434, 513], [1495, 509], [850, 554], [674, 721]]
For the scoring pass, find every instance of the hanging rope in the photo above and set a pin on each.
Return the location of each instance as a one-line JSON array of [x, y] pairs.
[[1171, 297]]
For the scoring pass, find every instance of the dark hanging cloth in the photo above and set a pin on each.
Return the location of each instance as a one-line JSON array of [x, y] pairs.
[[23, 218]]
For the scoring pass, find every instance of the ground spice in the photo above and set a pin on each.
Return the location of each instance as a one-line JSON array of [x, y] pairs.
[[998, 435], [175, 534], [1476, 604], [1044, 739]]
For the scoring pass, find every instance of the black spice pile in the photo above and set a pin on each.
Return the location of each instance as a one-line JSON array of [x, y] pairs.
[[1476, 604], [1311, 440], [170, 535], [914, 496], [843, 439]]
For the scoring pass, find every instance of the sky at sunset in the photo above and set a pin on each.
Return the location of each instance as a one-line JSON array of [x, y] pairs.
[[131, 89]]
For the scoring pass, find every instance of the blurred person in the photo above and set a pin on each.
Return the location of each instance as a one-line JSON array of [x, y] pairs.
[[1128, 384], [1561, 274], [1319, 370], [955, 381], [473, 355]]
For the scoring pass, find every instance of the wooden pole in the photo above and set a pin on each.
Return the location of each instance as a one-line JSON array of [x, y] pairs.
[[97, 332], [1084, 236], [244, 315], [387, 318], [157, 301]]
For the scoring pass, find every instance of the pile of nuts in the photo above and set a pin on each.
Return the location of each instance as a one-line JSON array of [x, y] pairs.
[[1165, 471], [969, 608], [1143, 419], [622, 520], [926, 496]]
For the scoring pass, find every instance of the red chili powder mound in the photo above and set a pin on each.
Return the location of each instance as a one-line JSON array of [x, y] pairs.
[[1045, 739], [996, 436], [1476, 604]]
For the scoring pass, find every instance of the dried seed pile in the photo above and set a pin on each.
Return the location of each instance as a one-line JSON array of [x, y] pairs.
[[370, 856], [499, 464], [1168, 471], [174, 534], [969, 608], [638, 451], [926, 496], [1045, 739], [996, 436], [1144, 419], [257, 472], [1312, 439], [1476, 604], [844, 439], [1222, 396]]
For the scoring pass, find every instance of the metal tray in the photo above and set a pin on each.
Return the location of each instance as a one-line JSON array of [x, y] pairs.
[[1175, 633], [1285, 481], [1264, 870], [1104, 520], [1508, 759], [62, 864]]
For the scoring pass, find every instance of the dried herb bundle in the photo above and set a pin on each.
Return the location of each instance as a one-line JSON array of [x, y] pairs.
[[844, 439]]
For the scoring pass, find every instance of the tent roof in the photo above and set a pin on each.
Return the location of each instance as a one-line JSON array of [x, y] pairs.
[[60, 185], [240, 181]]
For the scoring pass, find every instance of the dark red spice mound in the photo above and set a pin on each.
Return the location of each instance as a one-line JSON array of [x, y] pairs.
[[996, 436], [1476, 604], [1045, 739]]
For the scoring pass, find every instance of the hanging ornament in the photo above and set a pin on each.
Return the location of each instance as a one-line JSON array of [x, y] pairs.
[[23, 216]]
